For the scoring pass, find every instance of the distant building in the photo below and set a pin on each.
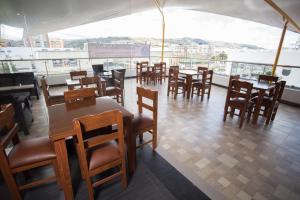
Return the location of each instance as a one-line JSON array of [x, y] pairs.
[[56, 43], [40, 41]]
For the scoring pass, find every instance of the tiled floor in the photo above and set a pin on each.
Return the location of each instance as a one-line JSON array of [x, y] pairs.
[[225, 162]]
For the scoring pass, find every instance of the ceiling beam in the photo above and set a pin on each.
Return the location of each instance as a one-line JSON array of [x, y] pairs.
[[285, 16]]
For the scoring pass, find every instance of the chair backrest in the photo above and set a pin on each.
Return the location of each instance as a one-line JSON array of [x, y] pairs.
[[144, 66], [119, 79], [209, 76], [82, 126], [45, 89], [151, 95], [282, 86], [200, 69], [164, 66], [174, 67], [8, 127], [91, 82], [79, 95], [173, 75], [78, 74], [239, 89], [158, 67], [98, 69], [267, 78]]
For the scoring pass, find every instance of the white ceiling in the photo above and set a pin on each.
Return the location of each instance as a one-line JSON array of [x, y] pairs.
[[50, 15]]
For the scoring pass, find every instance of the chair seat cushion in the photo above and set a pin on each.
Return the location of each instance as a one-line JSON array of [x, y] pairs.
[[141, 122], [31, 151], [111, 91], [103, 154]]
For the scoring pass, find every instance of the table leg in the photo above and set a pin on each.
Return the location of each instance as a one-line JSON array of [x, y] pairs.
[[131, 145], [63, 168], [258, 105], [189, 80], [70, 87]]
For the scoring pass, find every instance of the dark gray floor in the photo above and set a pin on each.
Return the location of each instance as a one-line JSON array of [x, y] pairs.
[[154, 179]]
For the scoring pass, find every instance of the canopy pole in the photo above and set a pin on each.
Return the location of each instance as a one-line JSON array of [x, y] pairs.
[[279, 48], [283, 14], [163, 29]]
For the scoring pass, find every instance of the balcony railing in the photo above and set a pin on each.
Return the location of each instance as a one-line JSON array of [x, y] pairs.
[[58, 66]]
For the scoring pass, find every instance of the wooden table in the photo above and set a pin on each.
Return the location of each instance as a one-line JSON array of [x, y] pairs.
[[262, 87], [60, 128], [71, 83], [189, 80]]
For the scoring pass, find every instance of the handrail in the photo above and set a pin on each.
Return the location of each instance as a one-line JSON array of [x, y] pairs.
[[225, 61]]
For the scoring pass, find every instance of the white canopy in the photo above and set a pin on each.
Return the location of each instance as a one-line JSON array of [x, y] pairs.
[[44, 16]]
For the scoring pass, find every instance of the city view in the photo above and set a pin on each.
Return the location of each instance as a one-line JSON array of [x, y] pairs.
[[150, 99], [68, 50]]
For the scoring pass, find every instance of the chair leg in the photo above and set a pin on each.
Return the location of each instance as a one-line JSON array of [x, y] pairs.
[[225, 113], [232, 110], [141, 136], [122, 99], [154, 139], [202, 93], [269, 115], [55, 167], [249, 113], [11, 183], [193, 91], [176, 92], [168, 90], [90, 188], [198, 91], [208, 95], [242, 118], [124, 175], [274, 114]]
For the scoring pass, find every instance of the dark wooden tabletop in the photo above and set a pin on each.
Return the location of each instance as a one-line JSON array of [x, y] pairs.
[[188, 72], [75, 82], [62, 115], [261, 85]]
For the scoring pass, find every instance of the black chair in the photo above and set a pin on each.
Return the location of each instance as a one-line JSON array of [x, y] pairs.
[[22, 107], [98, 69]]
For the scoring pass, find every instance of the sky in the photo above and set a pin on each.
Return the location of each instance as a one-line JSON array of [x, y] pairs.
[[182, 23]]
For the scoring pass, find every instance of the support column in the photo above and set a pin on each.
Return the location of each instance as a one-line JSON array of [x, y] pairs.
[[163, 29], [279, 48]]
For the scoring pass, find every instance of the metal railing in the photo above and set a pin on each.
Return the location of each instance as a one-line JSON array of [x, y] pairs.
[[60, 66]]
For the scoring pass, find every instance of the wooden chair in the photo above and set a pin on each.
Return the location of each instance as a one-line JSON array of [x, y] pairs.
[[92, 82], [142, 72], [118, 89], [75, 75], [268, 103], [102, 152], [25, 155], [181, 78], [204, 85], [50, 99], [79, 95], [164, 70], [233, 77], [174, 83], [267, 78], [142, 123], [238, 97], [200, 71], [156, 75], [278, 101]]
